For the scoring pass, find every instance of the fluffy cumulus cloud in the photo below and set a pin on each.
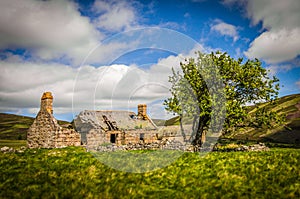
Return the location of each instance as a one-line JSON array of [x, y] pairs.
[[276, 46], [23, 83], [87, 87], [115, 15], [56, 30], [281, 39], [57, 39], [48, 29], [51, 32], [298, 84], [225, 29]]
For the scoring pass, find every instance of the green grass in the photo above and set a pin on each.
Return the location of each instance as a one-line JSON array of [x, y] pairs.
[[73, 173], [13, 143]]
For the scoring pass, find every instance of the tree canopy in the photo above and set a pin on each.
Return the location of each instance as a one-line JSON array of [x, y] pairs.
[[214, 89]]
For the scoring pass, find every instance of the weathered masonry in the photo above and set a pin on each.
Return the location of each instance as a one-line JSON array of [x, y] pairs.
[[45, 132], [97, 128], [119, 127]]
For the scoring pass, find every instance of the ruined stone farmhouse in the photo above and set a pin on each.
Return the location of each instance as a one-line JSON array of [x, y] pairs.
[[95, 128], [45, 132], [119, 127]]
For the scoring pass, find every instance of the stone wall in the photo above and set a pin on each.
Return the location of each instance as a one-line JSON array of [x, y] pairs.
[[99, 137], [67, 137], [95, 138], [135, 136], [156, 145], [45, 132]]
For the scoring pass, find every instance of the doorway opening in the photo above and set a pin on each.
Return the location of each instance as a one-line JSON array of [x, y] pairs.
[[113, 138], [142, 137]]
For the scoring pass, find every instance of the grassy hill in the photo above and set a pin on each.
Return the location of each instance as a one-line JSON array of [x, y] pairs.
[[289, 132], [14, 127], [172, 121], [159, 122]]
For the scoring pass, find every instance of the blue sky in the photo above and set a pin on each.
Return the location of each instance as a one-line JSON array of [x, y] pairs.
[[116, 54]]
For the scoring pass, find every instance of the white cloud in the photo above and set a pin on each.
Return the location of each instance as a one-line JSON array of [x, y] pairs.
[[225, 29], [56, 30], [274, 69], [238, 52], [281, 40], [23, 81], [298, 84], [187, 15], [274, 15], [276, 46], [120, 86], [115, 15], [48, 29], [106, 87]]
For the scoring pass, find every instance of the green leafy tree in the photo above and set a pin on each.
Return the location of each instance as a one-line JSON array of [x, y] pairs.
[[213, 90]]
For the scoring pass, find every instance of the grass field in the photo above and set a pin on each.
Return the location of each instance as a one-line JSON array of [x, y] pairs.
[[13, 143], [73, 173]]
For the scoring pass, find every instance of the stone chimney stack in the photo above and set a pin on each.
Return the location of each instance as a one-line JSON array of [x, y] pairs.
[[46, 102], [142, 111]]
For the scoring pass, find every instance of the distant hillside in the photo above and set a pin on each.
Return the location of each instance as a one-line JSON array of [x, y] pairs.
[[14, 127], [172, 121], [289, 132], [159, 122]]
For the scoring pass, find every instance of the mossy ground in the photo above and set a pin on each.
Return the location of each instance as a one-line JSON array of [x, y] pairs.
[[74, 173], [13, 143]]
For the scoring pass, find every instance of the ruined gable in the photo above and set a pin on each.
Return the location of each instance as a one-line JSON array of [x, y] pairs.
[[119, 127], [45, 132]]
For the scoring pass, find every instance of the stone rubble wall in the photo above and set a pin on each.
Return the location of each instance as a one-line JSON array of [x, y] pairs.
[[45, 132], [157, 145], [237, 147], [133, 136], [67, 137], [177, 145], [95, 138]]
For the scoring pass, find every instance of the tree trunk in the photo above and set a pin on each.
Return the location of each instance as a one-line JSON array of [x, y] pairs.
[[181, 127], [198, 139]]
